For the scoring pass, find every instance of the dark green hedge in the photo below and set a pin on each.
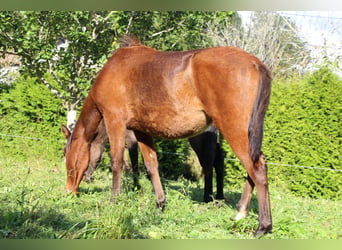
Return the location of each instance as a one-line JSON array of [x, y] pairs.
[[303, 127], [28, 109]]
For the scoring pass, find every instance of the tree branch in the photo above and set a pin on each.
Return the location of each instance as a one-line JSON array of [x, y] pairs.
[[56, 78], [129, 23], [167, 30], [94, 35], [52, 89], [9, 53]]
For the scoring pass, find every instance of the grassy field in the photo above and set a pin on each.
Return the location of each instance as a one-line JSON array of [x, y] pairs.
[[33, 204]]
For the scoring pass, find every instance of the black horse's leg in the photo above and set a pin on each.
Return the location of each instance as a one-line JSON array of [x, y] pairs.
[[132, 146], [208, 183], [204, 146], [219, 169]]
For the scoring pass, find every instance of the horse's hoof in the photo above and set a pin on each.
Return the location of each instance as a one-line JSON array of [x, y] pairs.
[[219, 197], [240, 215], [71, 190], [262, 231], [88, 179], [208, 199], [161, 205]]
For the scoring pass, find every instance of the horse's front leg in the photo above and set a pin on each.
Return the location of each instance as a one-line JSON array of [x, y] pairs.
[[146, 145], [117, 167], [116, 133]]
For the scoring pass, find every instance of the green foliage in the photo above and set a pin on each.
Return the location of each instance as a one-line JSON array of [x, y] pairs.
[[177, 30], [303, 127], [28, 109], [172, 157]]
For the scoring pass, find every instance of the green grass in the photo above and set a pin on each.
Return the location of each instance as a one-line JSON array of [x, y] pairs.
[[33, 204]]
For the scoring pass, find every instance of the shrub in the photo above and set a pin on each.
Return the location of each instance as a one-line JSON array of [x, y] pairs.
[[303, 127], [30, 110], [172, 155]]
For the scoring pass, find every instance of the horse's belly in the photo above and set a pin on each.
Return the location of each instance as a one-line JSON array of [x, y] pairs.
[[169, 124]]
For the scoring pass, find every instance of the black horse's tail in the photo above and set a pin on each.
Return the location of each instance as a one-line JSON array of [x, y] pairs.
[[256, 123]]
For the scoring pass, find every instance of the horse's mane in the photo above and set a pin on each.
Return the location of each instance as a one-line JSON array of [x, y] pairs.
[[128, 41]]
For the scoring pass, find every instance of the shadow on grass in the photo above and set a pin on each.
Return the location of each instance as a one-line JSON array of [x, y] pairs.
[[91, 190], [231, 199], [37, 224]]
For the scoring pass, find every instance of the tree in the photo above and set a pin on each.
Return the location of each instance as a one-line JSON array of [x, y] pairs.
[[268, 35], [178, 30], [67, 46], [70, 47]]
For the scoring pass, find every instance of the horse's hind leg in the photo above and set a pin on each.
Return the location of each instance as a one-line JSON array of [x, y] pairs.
[[243, 205], [257, 175], [146, 145], [260, 180], [257, 172]]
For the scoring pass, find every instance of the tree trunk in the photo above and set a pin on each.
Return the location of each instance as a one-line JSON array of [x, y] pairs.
[[71, 117]]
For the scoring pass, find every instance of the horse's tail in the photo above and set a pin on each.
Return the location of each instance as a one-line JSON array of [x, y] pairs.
[[256, 123]]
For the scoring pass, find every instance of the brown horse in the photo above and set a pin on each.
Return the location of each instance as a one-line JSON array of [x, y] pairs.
[[176, 95], [206, 146]]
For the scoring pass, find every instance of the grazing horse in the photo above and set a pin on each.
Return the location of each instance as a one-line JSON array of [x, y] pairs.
[[173, 95], [205, 145]]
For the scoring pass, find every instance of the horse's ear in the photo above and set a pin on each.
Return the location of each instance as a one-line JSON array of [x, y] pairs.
[[66, 132]]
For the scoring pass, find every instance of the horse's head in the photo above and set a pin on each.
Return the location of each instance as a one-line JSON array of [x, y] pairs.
[[70, 167], [76, 157]]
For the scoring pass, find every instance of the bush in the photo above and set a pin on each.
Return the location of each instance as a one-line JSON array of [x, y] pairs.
[[31, 112], [303, 127], [172, 156]]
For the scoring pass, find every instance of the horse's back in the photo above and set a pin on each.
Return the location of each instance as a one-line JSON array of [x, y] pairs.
[[153, 91]]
